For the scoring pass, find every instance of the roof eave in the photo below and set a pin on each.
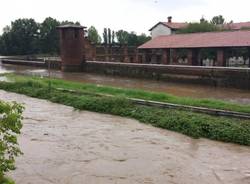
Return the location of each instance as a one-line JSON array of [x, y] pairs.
[[158, 24]]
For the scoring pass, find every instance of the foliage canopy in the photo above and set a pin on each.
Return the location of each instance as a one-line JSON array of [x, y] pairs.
[[10, 126]]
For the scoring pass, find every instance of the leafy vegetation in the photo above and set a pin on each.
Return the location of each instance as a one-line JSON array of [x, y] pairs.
[[6, 180], [216, 24], [188, 123], [93, 35], [10, 126], [27, 37], [123, 37], [199, 28], [49, 37], [134, 93], [218, 20], [131, 39]]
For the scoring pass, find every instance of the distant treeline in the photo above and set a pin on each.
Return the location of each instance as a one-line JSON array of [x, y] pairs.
[[27, 37], [116, 37]]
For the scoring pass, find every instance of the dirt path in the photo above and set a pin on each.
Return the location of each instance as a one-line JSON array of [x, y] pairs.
[[63, 146]]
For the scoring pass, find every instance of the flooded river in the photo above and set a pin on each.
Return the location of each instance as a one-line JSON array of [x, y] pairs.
[[65, 146], [188, 90]]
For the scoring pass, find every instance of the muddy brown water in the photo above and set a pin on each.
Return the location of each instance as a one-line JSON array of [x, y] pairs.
[[178, 89], [65, 146]]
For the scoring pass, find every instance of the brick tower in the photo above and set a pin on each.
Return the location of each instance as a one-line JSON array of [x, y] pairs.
[[72, 47]]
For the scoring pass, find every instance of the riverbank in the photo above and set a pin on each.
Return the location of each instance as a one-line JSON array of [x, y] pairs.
[[231, 77], [94, 89], [62, 145], [188, 123], [173, 88]]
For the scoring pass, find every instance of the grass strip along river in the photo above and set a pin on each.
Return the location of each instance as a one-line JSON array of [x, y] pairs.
[[189, 123]]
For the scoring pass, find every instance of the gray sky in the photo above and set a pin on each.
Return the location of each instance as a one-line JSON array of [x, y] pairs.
[[131, 15]]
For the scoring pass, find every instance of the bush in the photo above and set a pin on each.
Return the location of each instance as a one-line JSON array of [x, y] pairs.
[[199, 28], [10, 126]]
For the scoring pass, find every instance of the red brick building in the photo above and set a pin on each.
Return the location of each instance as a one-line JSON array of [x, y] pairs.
[[72, 47], [189, 48]]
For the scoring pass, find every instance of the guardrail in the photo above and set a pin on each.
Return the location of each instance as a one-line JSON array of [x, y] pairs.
[[204, 110]]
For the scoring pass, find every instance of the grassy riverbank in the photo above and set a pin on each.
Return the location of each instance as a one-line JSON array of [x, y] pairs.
[[133, 93], [188, 123]]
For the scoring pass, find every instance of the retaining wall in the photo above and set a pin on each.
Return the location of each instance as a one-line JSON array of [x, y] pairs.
[[215, 76]]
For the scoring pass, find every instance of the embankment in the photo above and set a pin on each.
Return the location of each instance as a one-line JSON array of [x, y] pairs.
[[213, 76]]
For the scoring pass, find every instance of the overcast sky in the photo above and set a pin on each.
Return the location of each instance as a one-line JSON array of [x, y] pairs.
[[130, 15]]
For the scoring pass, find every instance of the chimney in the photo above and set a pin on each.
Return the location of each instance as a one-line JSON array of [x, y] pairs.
[[169, 19]]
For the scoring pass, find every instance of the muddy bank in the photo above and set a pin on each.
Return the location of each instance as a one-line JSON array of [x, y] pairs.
[[178, 89], [64, 146]]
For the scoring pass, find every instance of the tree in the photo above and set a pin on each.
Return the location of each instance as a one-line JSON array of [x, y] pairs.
[[109, 36], [6, 29], [132, 39], [105, 36], [122, 37], [93, 35], [199, 27], [25, 37], [203, 20], [218, 20], [3, 44], [113, 37], [143, 38], [10, 126], [66, 22], [21, 38], [49, 38]]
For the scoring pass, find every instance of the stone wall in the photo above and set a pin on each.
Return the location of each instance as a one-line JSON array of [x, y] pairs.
[[110, 53], [214, 76]]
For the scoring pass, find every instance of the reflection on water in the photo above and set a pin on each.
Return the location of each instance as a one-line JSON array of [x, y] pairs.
[[187, 90]]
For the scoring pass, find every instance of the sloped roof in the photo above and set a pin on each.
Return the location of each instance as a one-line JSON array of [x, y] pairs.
[[171, 25], [200, 40], [180, 25], [67, 26]]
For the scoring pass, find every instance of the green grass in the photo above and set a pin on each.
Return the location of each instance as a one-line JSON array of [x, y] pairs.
[[133, 93], [192, 124]]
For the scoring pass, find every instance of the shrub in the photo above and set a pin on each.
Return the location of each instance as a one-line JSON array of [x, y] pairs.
[[10, 126]]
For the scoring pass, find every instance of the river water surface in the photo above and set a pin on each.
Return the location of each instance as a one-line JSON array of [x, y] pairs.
[[65, 146]]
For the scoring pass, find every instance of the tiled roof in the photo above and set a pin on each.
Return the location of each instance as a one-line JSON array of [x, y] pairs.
[[172, 25], [180, 25], [175, 25], [71, 26], [200, 40]]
